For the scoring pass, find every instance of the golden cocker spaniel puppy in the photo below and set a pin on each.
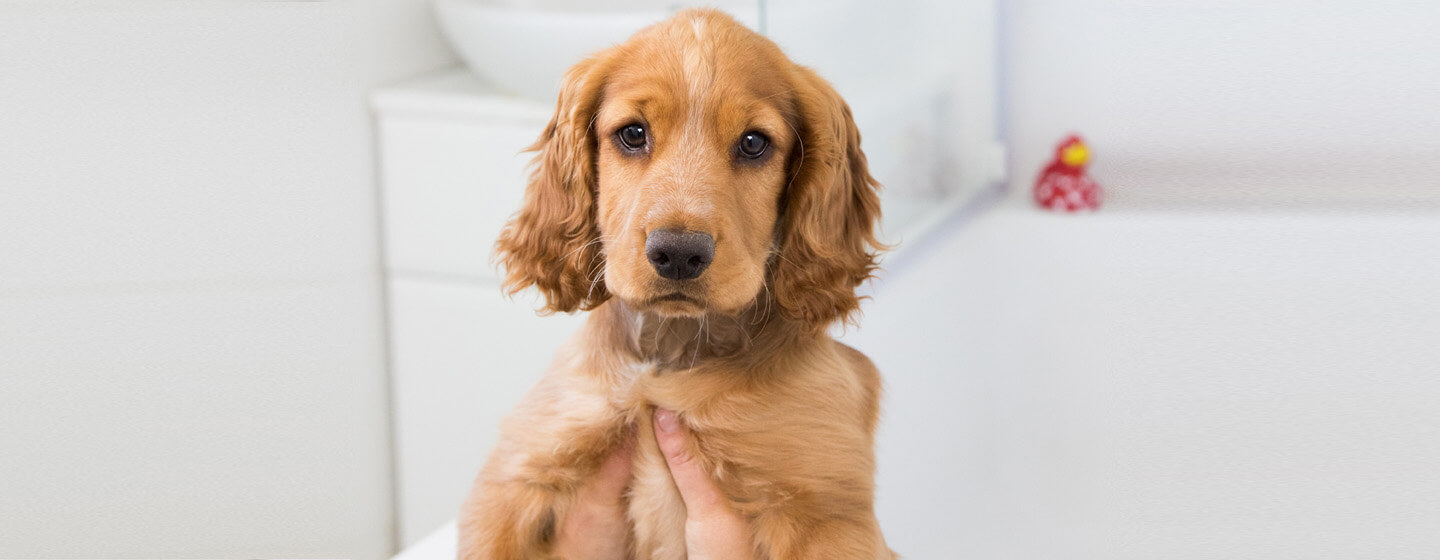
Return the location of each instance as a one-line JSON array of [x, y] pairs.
[[707, 201]]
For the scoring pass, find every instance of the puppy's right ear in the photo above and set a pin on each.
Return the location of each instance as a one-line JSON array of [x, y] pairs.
[[830, 206], [552, 242]]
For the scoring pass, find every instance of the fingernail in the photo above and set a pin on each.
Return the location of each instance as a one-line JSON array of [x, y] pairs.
[[665, 419]]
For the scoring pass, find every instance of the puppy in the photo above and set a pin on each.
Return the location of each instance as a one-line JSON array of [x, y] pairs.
[[706, 200]]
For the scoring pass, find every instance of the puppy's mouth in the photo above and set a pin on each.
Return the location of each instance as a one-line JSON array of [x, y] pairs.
[[676, 304], [674, 296]]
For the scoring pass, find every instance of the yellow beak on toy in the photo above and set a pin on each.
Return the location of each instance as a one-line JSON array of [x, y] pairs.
[[1075, 155]]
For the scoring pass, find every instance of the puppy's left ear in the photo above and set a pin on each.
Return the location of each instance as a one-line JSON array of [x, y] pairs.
[[827, 225], [552, 242]]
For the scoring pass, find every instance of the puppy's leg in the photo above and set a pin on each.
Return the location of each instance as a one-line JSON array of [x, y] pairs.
[[549, 447], [857, 539], [507, 520]]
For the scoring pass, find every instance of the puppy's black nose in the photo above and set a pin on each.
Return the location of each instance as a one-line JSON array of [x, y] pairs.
[[679, 255]]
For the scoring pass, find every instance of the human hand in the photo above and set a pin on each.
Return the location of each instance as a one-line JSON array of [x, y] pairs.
[[713, 530], [595, 527]]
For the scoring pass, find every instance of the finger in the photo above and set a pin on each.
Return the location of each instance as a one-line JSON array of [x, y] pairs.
[[696, 489], [595, 527], [713, 531]]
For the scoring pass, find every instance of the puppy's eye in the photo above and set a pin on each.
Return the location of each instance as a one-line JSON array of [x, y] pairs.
[[753, 144], [632, 137]]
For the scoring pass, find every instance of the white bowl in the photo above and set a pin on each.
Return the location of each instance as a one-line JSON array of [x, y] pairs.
[[526, 47]]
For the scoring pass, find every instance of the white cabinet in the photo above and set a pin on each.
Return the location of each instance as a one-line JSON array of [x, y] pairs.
[[462, 354], [452, 169]]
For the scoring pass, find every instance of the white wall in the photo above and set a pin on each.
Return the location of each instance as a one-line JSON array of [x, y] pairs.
[[1142, 385], [1233, 102], [922, 84], [1208, 384], [191, 347]]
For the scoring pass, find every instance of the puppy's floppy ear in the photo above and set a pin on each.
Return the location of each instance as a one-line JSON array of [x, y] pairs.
[[551, 243], [826, 234]]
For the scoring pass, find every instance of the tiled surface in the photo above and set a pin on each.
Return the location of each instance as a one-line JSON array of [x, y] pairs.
[[195, 422], [189, 166], [191, 347]]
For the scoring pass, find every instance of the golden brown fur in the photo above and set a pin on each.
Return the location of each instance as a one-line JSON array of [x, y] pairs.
[[783, 416]]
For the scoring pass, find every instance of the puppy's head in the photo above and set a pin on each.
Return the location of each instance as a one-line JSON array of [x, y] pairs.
[[689, 168]]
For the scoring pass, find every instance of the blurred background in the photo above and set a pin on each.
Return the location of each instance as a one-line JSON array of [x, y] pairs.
[[246, 308]]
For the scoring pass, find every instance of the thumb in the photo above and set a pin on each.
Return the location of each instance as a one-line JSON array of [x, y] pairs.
[[701, 497]]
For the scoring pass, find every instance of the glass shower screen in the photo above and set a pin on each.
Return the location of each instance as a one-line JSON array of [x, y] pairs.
[[921, 79]]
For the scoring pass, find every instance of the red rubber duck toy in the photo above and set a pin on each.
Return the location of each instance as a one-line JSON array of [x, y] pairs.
[[1063, 186]]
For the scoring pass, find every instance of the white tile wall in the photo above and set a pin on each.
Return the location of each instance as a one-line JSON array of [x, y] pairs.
[[194, 421], [191, 346], [186, 143]]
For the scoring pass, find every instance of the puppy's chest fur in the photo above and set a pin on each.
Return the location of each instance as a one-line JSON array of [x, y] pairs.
[[676, 365], [739, 412], [786, 435], [781, 419], [657, 513]]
